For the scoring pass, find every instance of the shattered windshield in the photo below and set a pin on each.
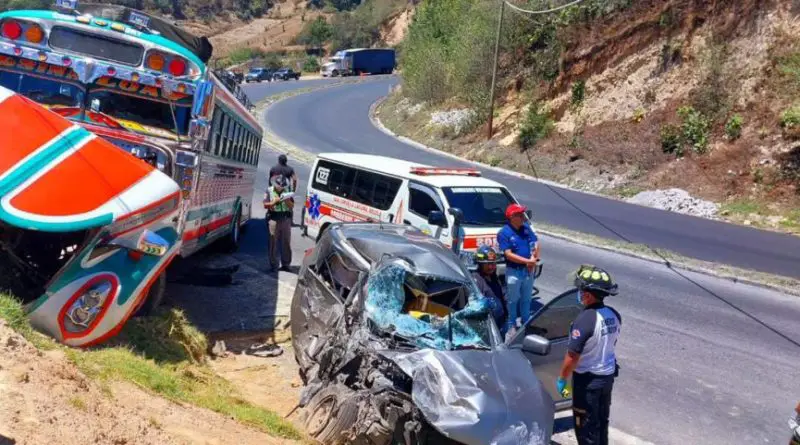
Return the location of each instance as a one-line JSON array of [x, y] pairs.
[[417, 308], [148, 112], [482, 206], [44, 91]]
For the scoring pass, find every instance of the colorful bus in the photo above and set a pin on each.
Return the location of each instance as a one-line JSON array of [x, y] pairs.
[[144, 85]]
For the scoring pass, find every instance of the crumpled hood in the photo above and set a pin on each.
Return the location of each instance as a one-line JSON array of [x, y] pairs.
[[479, 397], [58, 177]]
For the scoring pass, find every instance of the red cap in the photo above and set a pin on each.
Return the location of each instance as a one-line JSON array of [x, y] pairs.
[[515, 208]]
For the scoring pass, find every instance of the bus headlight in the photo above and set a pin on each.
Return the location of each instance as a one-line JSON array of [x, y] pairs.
[[85, 309]]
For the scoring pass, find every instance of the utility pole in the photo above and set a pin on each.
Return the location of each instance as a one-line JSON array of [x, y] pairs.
[[494, 67]]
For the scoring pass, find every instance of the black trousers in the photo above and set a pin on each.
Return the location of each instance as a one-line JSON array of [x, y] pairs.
[[591, 407]]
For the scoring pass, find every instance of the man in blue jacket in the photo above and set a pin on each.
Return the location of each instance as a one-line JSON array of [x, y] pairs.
[[520, 245]]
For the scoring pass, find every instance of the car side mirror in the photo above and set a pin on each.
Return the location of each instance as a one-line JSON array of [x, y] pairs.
[[536, 344], [148, 243], [436, 218]]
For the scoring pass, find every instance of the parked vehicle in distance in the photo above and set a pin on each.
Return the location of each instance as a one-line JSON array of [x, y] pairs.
[[352, 62], [392, 336], [258, 75], [285, 74]]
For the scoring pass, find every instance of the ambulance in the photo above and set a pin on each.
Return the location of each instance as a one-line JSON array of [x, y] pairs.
[[348, 187]]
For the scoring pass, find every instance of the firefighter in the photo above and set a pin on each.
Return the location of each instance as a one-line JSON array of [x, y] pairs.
[[591, 360], [489, 283]]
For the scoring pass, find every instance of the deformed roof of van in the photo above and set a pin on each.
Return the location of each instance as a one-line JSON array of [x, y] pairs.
[[402, 169]]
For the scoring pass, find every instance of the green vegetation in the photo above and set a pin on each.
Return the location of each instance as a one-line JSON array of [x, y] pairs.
[[790, 119], [448, 51], [733, 128], [578, 92], [694, 132], [536, 126], [671, 140], [315, 33], [161, 354]]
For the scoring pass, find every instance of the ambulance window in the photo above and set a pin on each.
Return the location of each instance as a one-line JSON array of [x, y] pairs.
[[421, 201], [385, 191], [334, 178]]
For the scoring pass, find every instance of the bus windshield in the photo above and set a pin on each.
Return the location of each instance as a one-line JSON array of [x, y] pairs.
[[44, 91], [482, 206], [142, 111]]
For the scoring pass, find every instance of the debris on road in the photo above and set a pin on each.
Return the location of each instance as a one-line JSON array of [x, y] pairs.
[[676, 200]]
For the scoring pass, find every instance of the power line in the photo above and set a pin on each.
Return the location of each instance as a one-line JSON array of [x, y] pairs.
[[666, 261], [546, 11]]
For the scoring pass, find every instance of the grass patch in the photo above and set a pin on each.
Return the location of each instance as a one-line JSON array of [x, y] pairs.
[[161, 354], [183, 382], [78, 403], [12, 312], [743, 208]]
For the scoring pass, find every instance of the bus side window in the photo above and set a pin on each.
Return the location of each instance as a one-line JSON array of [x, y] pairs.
[[223, 135], [214, 146]]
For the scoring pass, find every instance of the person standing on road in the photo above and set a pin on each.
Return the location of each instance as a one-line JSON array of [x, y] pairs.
[[489, 283], [794, 424], [591, 359], [520, 245], [279, 222], [282, 168]]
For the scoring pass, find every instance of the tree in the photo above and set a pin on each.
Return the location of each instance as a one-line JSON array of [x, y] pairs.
[[316, 33]]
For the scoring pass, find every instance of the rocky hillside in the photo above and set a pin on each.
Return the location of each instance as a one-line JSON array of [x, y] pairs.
[[620, 97]]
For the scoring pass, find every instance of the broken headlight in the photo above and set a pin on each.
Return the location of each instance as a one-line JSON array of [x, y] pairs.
[[88, 305]]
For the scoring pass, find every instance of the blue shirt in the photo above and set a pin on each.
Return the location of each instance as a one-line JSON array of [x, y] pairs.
[[520, 242]]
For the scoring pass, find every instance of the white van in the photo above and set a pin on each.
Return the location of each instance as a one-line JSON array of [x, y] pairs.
[[346, 187]]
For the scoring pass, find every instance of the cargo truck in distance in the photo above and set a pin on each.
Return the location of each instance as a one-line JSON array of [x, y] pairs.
[[351, 62]]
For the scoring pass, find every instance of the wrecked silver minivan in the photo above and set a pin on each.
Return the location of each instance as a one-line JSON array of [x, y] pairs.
[[395, 344]]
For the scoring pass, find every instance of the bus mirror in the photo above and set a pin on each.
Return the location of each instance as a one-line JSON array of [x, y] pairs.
[[198, 129], [148, 243], [203, 96]]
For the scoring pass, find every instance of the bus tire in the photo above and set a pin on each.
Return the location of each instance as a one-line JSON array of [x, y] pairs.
[[155, 295], [231, 240]]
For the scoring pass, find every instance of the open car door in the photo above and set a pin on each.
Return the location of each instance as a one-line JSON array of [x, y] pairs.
[[553, 322]]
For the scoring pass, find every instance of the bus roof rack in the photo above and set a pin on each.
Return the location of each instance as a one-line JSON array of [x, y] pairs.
[[433, 171]]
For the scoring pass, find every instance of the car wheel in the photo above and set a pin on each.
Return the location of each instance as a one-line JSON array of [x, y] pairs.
[[330, 414], [155, 295]]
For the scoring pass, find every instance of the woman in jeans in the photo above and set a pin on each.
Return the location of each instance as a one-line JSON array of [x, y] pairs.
[[520, 245]]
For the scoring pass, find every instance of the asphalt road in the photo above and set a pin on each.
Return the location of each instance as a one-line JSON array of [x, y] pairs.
[[341, 125], [696, 367]]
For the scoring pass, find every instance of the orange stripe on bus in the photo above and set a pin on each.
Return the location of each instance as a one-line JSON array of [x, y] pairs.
[[210, 227], [83, 182], [24, 128]]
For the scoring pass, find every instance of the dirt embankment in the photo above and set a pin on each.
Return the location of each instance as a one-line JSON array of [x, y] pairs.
[[44, 399], [733, 62]]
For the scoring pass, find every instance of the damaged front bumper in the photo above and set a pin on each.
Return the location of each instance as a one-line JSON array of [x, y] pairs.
[[88, 226]]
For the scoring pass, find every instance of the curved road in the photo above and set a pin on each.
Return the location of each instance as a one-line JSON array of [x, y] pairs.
[[341, 124], [703, 361]]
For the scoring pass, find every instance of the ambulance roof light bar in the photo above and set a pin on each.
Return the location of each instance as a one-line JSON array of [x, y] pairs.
[[432, 171]]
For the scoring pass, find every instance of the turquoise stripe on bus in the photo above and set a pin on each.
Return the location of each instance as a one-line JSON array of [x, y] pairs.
[[158, 40], [19, 175]]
